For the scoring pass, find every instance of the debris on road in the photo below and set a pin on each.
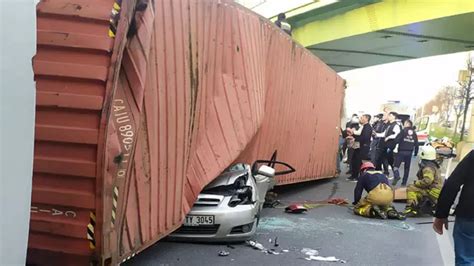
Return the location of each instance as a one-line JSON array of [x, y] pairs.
[[338, 201], [404, 226], [312, 204], [450, 221], [310, 252], [255, 245], [224, 253], [271, 200], [273, 252], [258, 246], [326, 259], [296, 208]]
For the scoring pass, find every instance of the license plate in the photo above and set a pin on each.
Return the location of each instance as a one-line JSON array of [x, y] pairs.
[[197, 220]]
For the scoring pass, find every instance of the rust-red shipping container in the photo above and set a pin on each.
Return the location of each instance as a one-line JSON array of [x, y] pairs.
[[302, 112], [140, 104]]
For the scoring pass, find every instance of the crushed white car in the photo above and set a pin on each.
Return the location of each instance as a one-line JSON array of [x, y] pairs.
[[228, 209]]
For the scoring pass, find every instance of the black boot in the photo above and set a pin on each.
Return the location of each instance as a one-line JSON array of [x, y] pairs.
[[410, 212], [375, 211], [393, 214]]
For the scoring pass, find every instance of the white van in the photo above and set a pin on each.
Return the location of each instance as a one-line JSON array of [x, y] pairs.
[[423, 126]]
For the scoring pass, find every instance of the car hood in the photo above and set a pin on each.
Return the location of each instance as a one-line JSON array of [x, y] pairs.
[[227, 178]]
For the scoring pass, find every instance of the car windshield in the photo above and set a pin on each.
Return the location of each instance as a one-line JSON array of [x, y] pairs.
[[230, 189]]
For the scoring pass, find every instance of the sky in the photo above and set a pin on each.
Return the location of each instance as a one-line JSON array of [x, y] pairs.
[[412, 82]]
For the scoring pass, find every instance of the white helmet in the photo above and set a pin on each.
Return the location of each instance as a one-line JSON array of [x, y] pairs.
[[428, 153]]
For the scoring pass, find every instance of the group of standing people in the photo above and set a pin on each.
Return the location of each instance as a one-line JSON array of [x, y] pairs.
[[371, 147], [385, 142]]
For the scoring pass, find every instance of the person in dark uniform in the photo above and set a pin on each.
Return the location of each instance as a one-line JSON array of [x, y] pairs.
[[362, 138], [373, 145], [339, 151], [344, 135], [351, 126], [407, 142], [283, 24], [379, 143], [390, 141]]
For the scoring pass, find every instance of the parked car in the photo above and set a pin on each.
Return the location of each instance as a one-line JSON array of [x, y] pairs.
[[228, 209]]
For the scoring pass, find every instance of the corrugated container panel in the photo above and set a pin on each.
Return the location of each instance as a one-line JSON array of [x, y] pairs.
[[202, 104], [71, 68], [131, 128], [302, 111]]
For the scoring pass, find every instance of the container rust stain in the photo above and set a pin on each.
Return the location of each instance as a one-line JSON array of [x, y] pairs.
[[132, 122]]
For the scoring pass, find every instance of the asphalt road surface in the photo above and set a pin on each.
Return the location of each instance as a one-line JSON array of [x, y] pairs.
[[331, 230]]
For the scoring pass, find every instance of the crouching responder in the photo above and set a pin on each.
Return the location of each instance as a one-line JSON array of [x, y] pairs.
[[427, 188], [378, 202]]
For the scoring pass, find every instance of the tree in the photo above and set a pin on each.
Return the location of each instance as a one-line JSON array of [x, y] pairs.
[[440, 103], [429, 107], [466, 93], [448, 99], [458, 110]]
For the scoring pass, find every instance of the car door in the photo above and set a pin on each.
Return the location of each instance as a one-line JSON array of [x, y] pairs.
[[264, 175]]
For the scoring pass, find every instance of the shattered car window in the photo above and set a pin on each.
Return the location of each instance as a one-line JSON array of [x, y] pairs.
[[239, 187], [235, 167]]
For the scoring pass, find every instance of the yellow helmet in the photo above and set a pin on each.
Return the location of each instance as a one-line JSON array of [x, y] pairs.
[[428, 153]]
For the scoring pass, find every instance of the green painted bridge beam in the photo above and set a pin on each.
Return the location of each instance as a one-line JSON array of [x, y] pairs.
[[359, 17]]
